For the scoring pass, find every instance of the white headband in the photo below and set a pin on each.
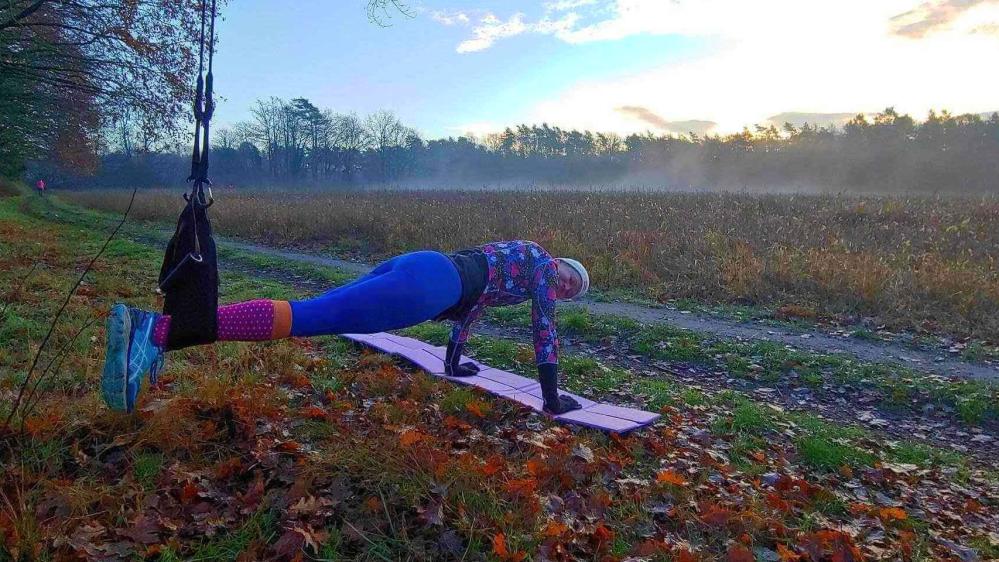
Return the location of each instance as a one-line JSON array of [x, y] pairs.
[[583, 275]]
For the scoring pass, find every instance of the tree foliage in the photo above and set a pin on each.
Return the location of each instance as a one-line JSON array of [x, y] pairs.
[[295, 143], [69, 68]]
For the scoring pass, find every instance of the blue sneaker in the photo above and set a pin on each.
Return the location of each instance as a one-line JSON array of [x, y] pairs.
[[130, 354]]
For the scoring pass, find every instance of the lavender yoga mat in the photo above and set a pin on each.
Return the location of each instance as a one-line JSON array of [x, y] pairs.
[[606, 417]]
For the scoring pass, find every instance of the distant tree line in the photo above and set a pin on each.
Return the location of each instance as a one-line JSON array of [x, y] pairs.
[[71, 70], [76, 73], [296, 144]]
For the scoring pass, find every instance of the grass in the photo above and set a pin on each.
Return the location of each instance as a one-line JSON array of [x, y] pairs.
[[900, 388], [261, 526], [769, 362], [916, 263], [146, 468], [336, 436]]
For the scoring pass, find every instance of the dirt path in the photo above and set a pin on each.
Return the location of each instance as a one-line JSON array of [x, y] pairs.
[[936, 362], [841, 403], [817, 341]]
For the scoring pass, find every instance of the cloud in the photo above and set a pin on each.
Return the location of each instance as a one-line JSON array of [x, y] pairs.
[[451, 18], [563, 5], [490, 29], [649, 117], [756, 60], [798, 118], [931, 16], [768, 56], [987, 29]]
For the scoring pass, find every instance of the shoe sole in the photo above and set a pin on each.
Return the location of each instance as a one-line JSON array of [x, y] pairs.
[[114, 377]]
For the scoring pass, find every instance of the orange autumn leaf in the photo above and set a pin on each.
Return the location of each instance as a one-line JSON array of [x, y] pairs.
[[892, 513], [493, 465], [602, 535], [685, 556], [477, 408], [410, 437], [188, 493], [671, 477], [858, 508], [314, 413], [786, 554], [906, 538], [524, 487], [555, 528], [499, 546], [535, 467], [298, 380], [776, 502], [716, 516], [373, 504], [451, 422], [650, 547], [227, 469], [739, 553]]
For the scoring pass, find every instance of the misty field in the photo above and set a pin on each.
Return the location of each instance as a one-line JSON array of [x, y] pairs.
[[313, 449], [918, 263]]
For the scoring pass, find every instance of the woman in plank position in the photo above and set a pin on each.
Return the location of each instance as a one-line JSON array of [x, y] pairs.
[[401, 292]]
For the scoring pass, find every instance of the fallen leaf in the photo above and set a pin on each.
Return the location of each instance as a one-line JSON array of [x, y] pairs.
[[786, 554], [410, 437], [739, 553], [493, 465], [188, 492], [671, 477], [433, 513], [892, 513], [555, 528], [583, 452], [602, 536], [477, 408], [499, 545], [523, 487], [716, 516]]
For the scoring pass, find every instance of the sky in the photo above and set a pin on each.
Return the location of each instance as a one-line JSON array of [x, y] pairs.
[[452, 67]]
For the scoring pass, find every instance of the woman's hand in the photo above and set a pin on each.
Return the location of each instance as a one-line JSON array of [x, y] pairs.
[[563, 405], [466, 369]]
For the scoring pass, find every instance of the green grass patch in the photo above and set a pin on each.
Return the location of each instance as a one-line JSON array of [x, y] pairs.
[[502, 353], [262, 526], [923, 455], [825, 454], [457, 399], [330, 276], [146, 468], [674, 344], [514, 316], [660, 393], [437, 333]]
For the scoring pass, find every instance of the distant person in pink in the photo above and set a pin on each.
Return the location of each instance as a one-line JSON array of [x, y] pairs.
[[40, 186]]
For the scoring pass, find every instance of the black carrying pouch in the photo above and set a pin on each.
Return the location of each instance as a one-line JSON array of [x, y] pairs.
[[189, 277]]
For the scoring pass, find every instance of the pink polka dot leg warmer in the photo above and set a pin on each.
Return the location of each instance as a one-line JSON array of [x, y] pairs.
[[257, 320]]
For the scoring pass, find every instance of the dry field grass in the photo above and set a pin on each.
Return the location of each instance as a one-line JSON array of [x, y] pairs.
[[916, 263], [315, 450]]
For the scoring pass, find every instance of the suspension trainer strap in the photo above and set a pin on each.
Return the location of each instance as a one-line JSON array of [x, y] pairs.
[[199, 96], [189, 274]]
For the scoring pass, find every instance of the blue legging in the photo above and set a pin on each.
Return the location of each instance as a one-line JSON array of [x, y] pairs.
[[403, 291]]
